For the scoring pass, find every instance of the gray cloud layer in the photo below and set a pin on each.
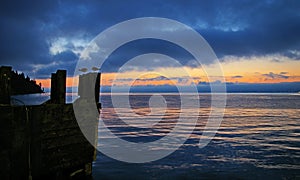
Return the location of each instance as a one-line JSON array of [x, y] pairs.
[[240, 28]]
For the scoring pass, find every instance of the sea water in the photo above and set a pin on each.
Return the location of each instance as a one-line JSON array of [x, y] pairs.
[[259, 137]]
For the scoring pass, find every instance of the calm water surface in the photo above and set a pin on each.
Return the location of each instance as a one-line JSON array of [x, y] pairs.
[[259, 138]]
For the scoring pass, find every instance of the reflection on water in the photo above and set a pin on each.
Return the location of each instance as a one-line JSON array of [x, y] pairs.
[[259, 138]]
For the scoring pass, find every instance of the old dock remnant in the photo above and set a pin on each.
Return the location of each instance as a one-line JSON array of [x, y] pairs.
[[5, 84], [45, 141], [58, 87]]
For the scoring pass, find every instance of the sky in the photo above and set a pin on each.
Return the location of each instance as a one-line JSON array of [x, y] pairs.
[[256, 42]]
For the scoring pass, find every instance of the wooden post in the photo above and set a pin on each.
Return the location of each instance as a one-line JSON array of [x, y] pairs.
[[58, 87], [5, 84], [53, 95], [97, 88], [61, 86], [89, 86]]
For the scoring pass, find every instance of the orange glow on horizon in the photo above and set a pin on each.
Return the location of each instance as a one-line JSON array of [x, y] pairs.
[[46, 83], [236, 71], [107, 79]]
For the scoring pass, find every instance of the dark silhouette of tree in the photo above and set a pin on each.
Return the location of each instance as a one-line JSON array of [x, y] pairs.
[[27, 78], [22, 85]]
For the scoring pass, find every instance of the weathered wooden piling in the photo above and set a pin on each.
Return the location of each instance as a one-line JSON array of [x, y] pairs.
[[47, 141], [5, 84], [14, 138], [58, 87], [89, 86], [14, 130]]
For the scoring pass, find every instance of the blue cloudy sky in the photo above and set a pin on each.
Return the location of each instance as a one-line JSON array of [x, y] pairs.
[[38, 37]]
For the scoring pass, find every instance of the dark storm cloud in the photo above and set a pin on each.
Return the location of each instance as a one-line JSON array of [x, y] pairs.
[[254, 27], [240, 28], [23, 40], [236, 77], [272, 75], [138, 47]]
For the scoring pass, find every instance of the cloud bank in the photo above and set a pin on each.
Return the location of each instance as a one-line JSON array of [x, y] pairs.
[[37, 37]]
